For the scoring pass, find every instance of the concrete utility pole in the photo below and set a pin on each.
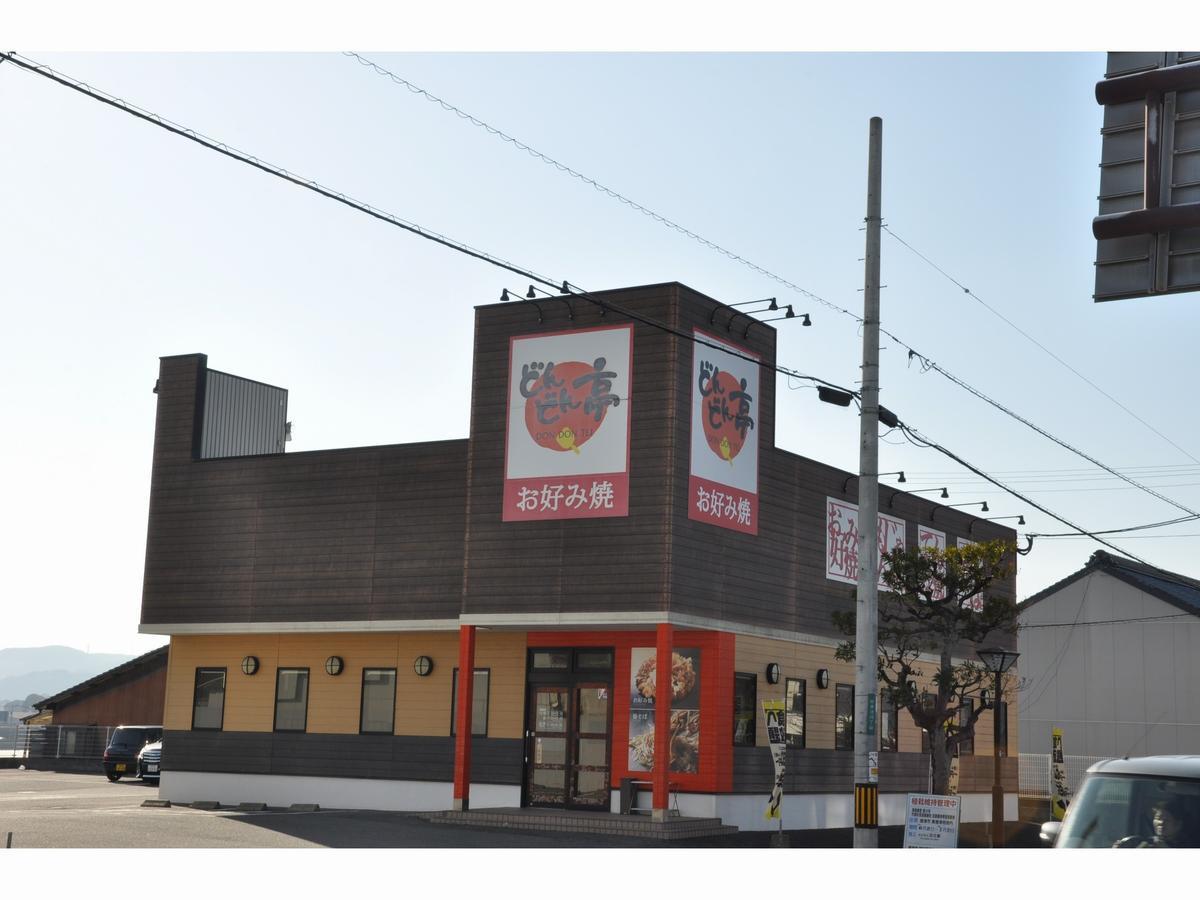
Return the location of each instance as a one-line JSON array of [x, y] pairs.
[[866, 635]]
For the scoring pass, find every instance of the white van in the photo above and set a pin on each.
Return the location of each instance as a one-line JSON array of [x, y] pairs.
[[1151, 801]]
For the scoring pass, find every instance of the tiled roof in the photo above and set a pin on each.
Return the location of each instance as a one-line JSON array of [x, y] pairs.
[[154, 659], [1178, 590]]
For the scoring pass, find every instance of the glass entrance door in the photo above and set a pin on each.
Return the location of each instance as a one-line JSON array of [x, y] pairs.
[[546, 768], [589, 747], [568, 727]]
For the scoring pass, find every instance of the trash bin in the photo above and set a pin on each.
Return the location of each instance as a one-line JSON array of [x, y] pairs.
[[628, 792]]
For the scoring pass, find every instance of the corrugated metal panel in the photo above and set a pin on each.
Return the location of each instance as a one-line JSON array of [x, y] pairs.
[[242, 417]]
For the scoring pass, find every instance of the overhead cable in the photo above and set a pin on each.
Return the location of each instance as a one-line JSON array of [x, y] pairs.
[[926, 363], [558, 286], [1062, 362]]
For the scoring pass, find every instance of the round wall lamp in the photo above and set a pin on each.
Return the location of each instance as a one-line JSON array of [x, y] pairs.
[[822, 678], [333, 665], [422, 665], [249, 665], [772, 673]]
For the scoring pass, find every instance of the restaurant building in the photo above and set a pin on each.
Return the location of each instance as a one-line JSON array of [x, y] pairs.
[[618, 518]]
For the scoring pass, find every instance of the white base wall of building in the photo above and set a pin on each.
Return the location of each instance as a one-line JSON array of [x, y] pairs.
[[808, 811], [330, 793]]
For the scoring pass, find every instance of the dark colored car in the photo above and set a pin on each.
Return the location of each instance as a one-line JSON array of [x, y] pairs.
[[150, 762], [126, 743]]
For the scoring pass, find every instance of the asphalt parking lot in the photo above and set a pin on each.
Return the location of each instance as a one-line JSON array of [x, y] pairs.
[[59, 810]]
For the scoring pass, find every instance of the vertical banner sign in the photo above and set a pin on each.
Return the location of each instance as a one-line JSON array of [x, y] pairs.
[[841, 540], [1058, 776], [723, 478], [932, 539], [774, 712], [567, 428], [685, 709]]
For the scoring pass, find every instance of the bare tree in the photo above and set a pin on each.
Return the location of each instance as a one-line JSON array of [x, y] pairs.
[[937, 605]]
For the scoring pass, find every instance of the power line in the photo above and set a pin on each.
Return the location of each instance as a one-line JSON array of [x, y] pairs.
[[1149, 525], [616, 195], [966, 290], [922, 441], [565, 288], [926, 363], [1131, 537], [1109, 621]]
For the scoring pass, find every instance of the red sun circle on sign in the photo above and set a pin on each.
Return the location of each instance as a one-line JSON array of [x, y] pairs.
[[723, 438], [559, 417]]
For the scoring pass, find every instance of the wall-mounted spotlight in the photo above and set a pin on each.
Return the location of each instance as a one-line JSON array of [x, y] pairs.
[[771, 300], [422, 665], [563, 290], [901, 479], [334, 665], [773, 673], [945, 494], [805, 319], [249, 665], [982, 504], [1020, 521], [822, 678]]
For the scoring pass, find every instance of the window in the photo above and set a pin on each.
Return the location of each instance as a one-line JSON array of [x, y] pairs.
[[965, 747], [378, 714], [927, 700], [208, 700], [479, 702], [843, 723], [795, 698], [745, 699], [889, 723], [291, 700]]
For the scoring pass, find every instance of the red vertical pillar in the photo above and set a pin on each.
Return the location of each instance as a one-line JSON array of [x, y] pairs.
[[662, 722], [462, 719]]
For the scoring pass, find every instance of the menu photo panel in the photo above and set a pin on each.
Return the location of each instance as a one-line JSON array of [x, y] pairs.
[[723, 474], [567, 428]]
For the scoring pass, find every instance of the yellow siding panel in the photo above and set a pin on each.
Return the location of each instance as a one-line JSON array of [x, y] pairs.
[[334, 702]]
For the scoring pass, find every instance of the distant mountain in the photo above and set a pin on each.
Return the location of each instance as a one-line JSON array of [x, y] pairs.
[[48, 670]]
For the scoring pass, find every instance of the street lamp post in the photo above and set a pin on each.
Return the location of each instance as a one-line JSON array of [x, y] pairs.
[[998, 661]]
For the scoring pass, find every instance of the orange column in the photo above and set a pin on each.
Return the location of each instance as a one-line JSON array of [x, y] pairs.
[[462, 719], [662, 723]]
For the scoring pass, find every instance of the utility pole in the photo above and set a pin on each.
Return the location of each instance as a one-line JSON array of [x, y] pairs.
[[866, 634]]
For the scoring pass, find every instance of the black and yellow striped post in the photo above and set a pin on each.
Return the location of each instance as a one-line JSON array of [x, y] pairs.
[[866, 806]]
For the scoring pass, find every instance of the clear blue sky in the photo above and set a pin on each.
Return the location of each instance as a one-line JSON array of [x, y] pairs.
[[123, 243]]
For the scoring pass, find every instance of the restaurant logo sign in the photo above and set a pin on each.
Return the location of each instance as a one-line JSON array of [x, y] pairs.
[[684, 739], [975, 604], [567, 434], [841, 540], [723, 478], [932, 539]]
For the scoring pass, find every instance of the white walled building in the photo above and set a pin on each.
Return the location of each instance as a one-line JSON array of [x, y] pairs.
[[1111, 655]]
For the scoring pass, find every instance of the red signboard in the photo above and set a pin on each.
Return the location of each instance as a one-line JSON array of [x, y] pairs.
[[567, 425], [723, 478]]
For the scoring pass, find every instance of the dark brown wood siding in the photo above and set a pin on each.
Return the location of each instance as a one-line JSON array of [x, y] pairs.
[[136, 699], [596, 565], [371, 533], [493, 760], [415, 531]]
